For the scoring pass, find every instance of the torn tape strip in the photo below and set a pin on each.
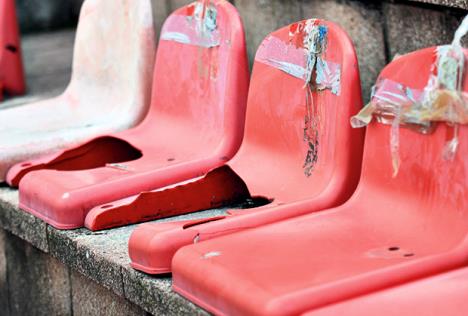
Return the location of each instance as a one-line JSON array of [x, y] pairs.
[[418, 107], [442, 100], [293, 61], [199, 29], [389, 99]]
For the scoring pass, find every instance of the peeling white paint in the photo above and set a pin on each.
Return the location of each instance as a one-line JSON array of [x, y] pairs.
[[176, 37], [289, 68], [211, 254], [199, 29]]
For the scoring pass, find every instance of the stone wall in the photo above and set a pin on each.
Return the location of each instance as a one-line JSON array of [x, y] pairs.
[[34, 283]]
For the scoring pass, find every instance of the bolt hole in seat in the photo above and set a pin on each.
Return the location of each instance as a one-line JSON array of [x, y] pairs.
[[195, 124], [11, 65], [109, 89], [299, 152], [396, 227]]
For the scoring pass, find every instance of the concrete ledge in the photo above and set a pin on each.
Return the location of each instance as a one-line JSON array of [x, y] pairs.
[[461, 4], [100, 256]]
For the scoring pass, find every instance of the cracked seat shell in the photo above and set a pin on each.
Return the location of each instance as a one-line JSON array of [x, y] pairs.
[[109, 89], [271, 159], [11, 64], [195, 124], [392, 230]]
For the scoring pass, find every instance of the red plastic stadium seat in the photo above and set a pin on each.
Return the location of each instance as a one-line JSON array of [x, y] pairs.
[[109, 90], [11, 65], [276, 161], [444, 294], [194, 125], [392, 230]]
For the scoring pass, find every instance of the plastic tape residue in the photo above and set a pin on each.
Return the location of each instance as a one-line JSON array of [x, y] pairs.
[[302, 57], [295, 61], [442, 100], [199, 28]]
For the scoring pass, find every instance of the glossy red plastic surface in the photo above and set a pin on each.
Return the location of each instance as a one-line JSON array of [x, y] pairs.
[[392, 230], [11, 65], [271, 159], [445, 294], [194, 125]]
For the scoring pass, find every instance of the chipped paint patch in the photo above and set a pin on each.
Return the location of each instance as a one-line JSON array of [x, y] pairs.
[[118, 166], [211, 254], [198, 28], [176, 37]]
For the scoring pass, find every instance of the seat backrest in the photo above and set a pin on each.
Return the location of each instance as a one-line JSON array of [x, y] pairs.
[[201, 73], [426, 182], [11, 66], [113, 57], [299, 126]]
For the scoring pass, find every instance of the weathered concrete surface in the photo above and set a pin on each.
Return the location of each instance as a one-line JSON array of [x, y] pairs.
[[37, 282], [261, 17], [160, 13], [89, 298], [363, 23], [100, 256], [21, 224], [103, 257], [175, 4], [73, 249], [49, 60], [412, 27], [155, 294], [4, 300], [462, 4]]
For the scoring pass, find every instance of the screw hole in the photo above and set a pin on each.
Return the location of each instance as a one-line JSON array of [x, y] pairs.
[[408, 255], [107, 206], [393, 248], [170, 159], [11, 48]]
